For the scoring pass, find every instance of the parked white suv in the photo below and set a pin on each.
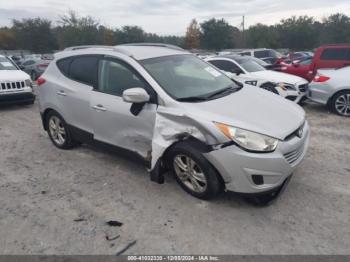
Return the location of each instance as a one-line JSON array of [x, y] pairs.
[[248, 71], [176, 112], [15, 85], [268, 55]]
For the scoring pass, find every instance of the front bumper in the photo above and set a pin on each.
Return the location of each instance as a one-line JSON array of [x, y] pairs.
[[238, 167], [14, 98]]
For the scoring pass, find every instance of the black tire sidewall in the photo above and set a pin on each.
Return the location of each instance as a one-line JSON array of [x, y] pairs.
[[214, 184]]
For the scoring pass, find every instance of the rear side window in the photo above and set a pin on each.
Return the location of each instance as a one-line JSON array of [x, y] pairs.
[[262, 54], [334, 54], [82, 69], [226, 66]]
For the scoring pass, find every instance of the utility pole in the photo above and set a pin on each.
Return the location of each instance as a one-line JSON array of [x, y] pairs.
[[243, 32]]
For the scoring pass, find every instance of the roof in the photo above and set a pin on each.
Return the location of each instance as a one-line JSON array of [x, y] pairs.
[[139, 51], [145, 52]]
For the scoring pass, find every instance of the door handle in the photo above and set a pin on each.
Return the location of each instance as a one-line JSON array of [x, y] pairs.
[[61, 93], [99, 108]]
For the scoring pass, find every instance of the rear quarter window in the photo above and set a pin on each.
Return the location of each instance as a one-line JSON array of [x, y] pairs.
[[82, 69], [63, 65], [334, 54]]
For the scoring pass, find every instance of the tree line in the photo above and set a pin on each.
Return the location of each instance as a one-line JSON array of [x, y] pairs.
[[297, 33]]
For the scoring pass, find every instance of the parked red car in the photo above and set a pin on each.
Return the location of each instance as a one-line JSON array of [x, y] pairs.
[[328, 56], [298, 68]]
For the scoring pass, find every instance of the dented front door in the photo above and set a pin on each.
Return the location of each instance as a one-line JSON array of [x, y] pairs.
[[112, 119]]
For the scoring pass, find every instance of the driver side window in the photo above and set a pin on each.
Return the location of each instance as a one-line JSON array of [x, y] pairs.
[[115, 77]]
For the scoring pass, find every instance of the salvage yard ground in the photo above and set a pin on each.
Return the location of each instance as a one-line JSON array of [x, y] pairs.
[[58, 202]]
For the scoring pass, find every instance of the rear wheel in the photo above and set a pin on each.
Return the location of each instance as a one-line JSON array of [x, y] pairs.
[[59, 132], [340, 103], [194, 173]]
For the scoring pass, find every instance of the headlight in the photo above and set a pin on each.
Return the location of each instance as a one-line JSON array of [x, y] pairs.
[[286, 86], [248, 140], [28, 82]]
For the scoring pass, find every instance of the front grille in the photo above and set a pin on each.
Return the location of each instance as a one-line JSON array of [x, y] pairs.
[[294, 155], [303, 88], [8, 86]]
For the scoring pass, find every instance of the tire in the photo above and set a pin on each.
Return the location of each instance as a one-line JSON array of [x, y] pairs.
[[33, 76], [269, 87], [59, 132], [203, 181], [340, 103]]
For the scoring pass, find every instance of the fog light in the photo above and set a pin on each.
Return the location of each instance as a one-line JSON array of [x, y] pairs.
[[258, 180]]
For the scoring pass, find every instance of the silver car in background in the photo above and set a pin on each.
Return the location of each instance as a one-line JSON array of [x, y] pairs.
[[35, 66], [176, 112], [332, 88]]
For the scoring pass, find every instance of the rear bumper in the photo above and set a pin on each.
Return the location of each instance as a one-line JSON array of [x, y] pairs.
[[320, 93], [239, 169], [14, 98]]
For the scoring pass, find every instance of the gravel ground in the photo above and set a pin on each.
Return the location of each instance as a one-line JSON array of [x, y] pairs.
[[58, 202]]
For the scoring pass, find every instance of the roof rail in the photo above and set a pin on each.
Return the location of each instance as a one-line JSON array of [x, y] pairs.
[[112, 48], [154, 44], [79, 47]]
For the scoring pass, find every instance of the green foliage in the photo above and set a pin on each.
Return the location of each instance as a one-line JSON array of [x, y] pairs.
[[34, 34], [218, 34], [298, 33]]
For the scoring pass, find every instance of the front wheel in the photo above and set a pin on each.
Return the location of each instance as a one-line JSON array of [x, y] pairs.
[[340, 103], [194, 173]]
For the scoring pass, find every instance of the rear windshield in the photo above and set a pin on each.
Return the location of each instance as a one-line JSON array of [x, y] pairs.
[[6, 64]]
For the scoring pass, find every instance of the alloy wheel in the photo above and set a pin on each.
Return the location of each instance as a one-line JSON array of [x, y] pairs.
[[190, 174], [342, 105], [57, 130]]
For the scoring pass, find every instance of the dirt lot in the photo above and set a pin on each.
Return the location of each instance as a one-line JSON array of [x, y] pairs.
[[58, 202]]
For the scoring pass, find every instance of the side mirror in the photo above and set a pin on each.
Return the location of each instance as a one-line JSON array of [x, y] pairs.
[[21, 67], [136, 95]]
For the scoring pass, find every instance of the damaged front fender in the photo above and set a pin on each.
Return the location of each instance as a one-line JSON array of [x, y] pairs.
[[173, 125]]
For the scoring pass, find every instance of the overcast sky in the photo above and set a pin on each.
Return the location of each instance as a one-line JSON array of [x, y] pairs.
[[171, 16]]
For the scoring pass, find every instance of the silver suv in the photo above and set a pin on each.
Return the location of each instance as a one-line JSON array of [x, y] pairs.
[[177, 113]]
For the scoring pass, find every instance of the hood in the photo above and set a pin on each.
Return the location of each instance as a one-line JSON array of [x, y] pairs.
[[278, 77], [13, 75], [252, 109]]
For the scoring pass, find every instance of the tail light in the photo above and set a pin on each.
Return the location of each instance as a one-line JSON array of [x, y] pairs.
[[42, 66], [321, 79], [40, 81]]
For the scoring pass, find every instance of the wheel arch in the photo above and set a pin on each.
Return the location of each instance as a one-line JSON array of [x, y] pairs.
[[45, 114], [157, 174], [339, 90]]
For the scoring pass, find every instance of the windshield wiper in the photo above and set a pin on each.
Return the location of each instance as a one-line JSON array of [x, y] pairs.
[[191, 99], [227, 90]]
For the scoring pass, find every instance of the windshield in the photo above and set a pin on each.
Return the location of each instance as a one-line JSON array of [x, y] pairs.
[[6, 64], [186, 76], [250, 65]]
